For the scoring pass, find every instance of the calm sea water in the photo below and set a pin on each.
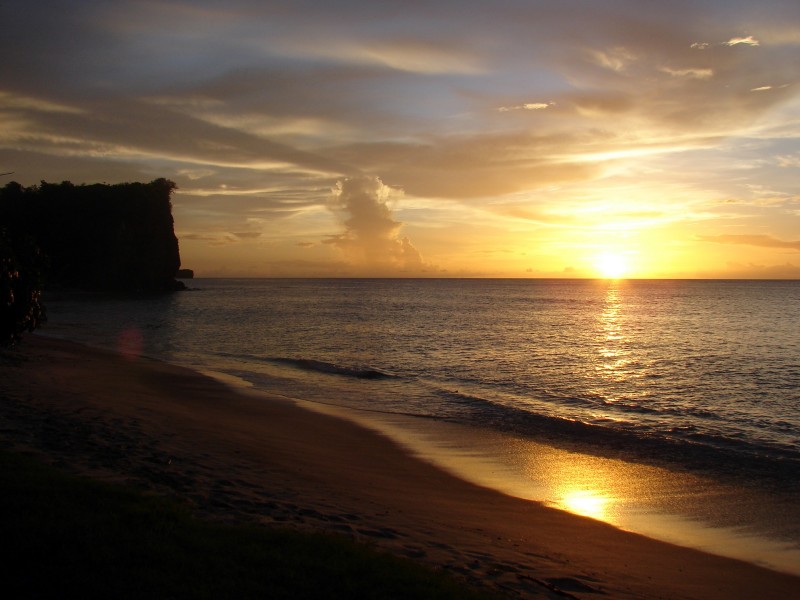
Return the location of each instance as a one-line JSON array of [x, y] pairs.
[[700, 377]]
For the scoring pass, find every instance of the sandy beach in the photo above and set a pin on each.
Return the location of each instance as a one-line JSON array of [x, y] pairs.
[[239, 457]]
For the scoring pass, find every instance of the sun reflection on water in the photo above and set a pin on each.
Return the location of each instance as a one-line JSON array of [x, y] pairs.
[[674, 506], [611, 338], [588, 503], [579, 483], [611, 334]]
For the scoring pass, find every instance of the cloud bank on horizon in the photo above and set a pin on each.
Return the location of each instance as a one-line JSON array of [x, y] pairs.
[[520, 138]]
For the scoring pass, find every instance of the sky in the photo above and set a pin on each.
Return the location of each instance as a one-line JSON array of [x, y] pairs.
[[448, 138]]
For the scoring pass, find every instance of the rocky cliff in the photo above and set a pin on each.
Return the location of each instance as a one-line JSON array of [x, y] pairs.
[[100, 237]]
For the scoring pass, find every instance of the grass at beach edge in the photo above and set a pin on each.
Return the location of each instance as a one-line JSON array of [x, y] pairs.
[[69, 536]]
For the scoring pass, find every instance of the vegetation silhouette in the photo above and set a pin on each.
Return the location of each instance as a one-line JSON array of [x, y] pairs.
[[101, 237], [22, 267]]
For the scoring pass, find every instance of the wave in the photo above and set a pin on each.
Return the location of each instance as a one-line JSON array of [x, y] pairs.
[[310, 364], [657, 440], [676, 447], [321, 366]]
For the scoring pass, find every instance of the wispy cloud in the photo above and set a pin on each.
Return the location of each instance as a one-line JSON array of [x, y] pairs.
[[734, 41], [414, 55], [526, 106], [761, 240], [692, 73], [790, 160], [615, 59], [745, 41]]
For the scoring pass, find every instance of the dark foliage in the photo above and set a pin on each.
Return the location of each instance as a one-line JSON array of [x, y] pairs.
[[98, 237], [22, 268]]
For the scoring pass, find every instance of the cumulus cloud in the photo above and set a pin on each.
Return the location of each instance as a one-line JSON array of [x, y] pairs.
[[371, 241]]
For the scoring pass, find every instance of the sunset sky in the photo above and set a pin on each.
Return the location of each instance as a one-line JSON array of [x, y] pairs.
[[445, 138]]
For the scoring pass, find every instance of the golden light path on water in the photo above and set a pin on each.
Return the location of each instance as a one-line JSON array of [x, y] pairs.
[[611, 338]]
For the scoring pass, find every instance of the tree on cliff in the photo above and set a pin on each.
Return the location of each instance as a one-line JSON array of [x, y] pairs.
[[103, 237]]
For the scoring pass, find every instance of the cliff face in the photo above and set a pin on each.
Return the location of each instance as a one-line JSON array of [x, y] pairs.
[[101, 237]]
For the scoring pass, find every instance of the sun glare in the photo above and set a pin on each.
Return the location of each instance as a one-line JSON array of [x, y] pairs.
[[587, 503], [611, 265]]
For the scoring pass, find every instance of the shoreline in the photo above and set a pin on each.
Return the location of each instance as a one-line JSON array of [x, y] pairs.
[[681, 508], [235, 457]]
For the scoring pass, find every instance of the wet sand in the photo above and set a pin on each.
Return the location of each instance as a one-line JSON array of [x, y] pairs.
[[739, 519], [239, 457]]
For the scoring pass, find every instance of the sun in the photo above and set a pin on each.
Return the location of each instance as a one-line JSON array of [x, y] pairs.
[[611, 265]]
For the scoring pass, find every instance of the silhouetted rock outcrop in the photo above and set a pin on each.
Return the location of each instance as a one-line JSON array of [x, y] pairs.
[[100, 237]]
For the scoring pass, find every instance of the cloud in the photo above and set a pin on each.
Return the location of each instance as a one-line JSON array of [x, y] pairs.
[[745, 41], [789, 160], [737, 270], [115, 127], [598, 103], [371, 240], [413, 55], [209, 239], [696, 73], [527, 106], [195, 173], [760, 240], [198, 237], [476, 166], [735, 41], [257, 110], [615, 59], [10, 100]]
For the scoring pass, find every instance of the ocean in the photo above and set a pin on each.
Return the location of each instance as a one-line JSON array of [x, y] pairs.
[[666, 407]]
